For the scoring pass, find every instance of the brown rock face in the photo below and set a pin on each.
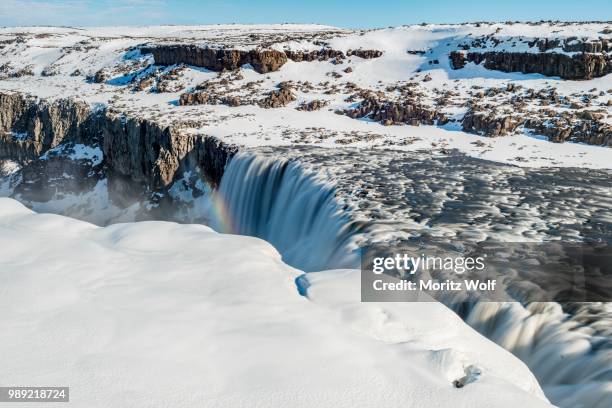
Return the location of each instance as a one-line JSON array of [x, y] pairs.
[[487, 124], [390, 113], [29, 127], [263, 61], [277, 99], [146, 153], [313, 105], [579, 66], [457, 60], [327, 53], [137, 151], [365, 54], [569, 129], [194, 98], [316, 55]]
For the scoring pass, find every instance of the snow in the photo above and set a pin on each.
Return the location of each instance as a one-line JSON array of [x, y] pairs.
[[160, 314], [77, 151], [90, 49]]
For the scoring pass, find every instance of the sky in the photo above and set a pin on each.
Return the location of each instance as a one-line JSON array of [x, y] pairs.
[[347, 14]]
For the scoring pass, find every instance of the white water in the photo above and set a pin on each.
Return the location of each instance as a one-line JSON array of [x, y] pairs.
[[295, 210], [569, 354]]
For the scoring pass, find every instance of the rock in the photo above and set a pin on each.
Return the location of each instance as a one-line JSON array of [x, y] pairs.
[[365, 54], [579, 66], [139, 151], [57, 173], [143, 84], [488, 124], [277, 99], [216, 59], [41, 125], [457, 59], [388, 112], [100, 76], [316, 55], [49, 71], [194, 98], [583, 127], [26, 71], [312, 105], [263, 61]]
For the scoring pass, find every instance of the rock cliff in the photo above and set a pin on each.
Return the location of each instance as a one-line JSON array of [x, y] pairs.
[[216, 59], [578, 66], [262, 61], [139, 155], [29, 127], [391, 113]]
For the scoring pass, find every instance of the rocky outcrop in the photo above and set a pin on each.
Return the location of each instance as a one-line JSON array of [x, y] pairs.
[[563, 129], [207, 98], [583, 126], [312, 105], [573, 44], [263, 61], [56, 176], [391, 113], [152, 155], [194, 98], [278, 98], [216, 59], [139, 155], [578, 66], [316, 55], [29, 127], [488, 124], [457, 59], [327, 53], [365, 54]]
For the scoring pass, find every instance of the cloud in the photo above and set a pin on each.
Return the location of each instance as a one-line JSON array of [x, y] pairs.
[[82, 12]]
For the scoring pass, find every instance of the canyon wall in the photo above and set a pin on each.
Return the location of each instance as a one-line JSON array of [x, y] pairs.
[[138, 154], [578, 66], [29, 127], [262, 61]]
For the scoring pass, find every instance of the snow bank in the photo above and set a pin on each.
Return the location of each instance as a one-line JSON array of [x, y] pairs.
[[161, 314]]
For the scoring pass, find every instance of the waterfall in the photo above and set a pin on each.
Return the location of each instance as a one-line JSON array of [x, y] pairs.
[[290, 207], [570, 354], [296, 210]]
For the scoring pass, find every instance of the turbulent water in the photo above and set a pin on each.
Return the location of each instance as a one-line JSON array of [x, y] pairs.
[[301, 213], [293, 209], [318, 206]]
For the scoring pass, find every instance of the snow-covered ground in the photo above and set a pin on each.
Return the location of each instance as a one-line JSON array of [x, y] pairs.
[[58, 60], [159, 314]]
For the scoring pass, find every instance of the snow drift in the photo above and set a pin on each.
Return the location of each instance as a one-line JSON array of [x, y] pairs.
[[162, 314]]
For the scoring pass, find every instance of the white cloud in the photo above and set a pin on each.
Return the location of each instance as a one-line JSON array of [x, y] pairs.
[[81, 12]]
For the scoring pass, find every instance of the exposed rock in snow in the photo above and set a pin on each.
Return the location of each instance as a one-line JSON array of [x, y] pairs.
[[580, 66]]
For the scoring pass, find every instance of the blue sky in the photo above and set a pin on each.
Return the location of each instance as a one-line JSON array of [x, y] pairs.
[[355, 13]]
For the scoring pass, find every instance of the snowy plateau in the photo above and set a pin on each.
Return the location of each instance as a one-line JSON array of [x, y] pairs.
[[183, 209]]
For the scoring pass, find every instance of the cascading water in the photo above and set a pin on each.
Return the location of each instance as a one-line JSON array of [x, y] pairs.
[[570, 354], [293, 209], [296, 210]]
